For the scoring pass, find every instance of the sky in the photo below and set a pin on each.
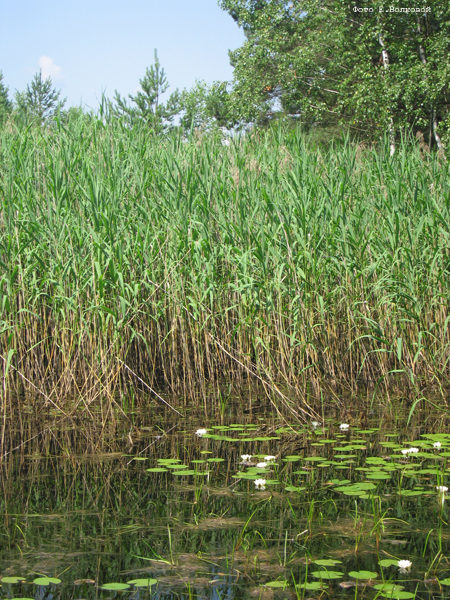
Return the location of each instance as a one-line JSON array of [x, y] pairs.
[[90, 47]]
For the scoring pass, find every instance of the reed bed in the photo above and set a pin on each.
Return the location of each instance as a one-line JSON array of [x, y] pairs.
[[129, 258]]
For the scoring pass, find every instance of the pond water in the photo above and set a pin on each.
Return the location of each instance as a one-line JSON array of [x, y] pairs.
[[255, 508]]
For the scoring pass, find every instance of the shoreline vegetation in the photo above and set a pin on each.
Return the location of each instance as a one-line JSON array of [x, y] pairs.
[[133, 260]]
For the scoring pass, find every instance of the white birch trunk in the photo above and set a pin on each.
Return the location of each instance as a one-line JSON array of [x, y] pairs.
[[385, 59], [423, 58]]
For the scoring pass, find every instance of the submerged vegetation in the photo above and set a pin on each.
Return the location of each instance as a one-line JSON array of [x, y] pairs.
[[187, 263], [329, 513]]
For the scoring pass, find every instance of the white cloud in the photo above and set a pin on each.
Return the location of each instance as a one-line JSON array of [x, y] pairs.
[[48, 67]]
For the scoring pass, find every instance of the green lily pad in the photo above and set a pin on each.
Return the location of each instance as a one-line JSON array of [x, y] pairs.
[[397, 594], [142, 582], [379, 475], [327, 562], [363, 574], [115, 586], [313, 585], [157, 470], [12, 579], [292, 488], [276, 584], [327, 574], [388, 586], [388, 562], [46, 580]]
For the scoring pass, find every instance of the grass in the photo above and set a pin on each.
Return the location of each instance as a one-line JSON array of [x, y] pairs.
[[186, 265]]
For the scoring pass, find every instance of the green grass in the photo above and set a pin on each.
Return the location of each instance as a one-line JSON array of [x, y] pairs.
[[195, 262]]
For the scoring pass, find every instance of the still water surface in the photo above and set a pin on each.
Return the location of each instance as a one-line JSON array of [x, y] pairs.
[[330, 513]]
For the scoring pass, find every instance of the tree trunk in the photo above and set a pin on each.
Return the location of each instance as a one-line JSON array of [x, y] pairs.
[[433, 120], [385, 59]]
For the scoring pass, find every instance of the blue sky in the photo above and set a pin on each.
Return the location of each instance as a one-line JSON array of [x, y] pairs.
[[94, 46]]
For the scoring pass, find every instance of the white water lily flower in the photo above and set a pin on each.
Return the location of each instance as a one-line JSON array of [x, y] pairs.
[[344, 426], [261, 465], [260, 484], [246, 457], [201, 432], [404, 565], [315, 424], [442, 489], [407, 451], [225, 142], [269, 458], [437, 445]]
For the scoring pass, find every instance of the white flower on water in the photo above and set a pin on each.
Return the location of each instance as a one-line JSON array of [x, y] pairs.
[[260, 484], [246, 457], [315, 424], [407, 451], [261, 465], [269, 458], [344, 426], [201, 432], [437, 445], [441, 493], [404, 565]]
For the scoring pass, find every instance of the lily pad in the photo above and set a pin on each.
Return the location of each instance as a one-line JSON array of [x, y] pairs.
[[46, 580], [398, 594], [363, 574], [157, 470], [388, 562], [327, 562], [276, 584], [327, 574], [115, 586], [142, 582], [12, 579], [313, 585]]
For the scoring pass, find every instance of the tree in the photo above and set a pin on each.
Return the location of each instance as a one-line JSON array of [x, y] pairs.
[[355, 63], [5, 103], [148, 106], [206, 106], [40, 102]]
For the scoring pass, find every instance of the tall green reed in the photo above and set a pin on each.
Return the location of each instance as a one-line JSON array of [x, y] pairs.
[[194, 263]]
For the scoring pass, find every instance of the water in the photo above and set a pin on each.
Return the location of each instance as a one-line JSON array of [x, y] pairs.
[[335, 503]]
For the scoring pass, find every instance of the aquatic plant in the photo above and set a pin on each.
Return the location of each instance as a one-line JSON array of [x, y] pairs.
[[404, 565], [260, 484], [134, 260]]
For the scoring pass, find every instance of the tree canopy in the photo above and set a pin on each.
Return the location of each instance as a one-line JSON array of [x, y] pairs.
[[40, 101], [5, 102], [361, 64]]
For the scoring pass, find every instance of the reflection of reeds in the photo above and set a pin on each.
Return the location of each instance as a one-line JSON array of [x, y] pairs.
[[299, 267]]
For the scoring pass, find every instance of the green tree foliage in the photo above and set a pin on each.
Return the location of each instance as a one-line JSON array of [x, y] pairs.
[[365, 65], [147, 104], [5, 103], [206, 106], [39, 102]]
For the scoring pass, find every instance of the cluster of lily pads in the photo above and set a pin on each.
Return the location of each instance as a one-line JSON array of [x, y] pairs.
[[53, 581], [396, 458]]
